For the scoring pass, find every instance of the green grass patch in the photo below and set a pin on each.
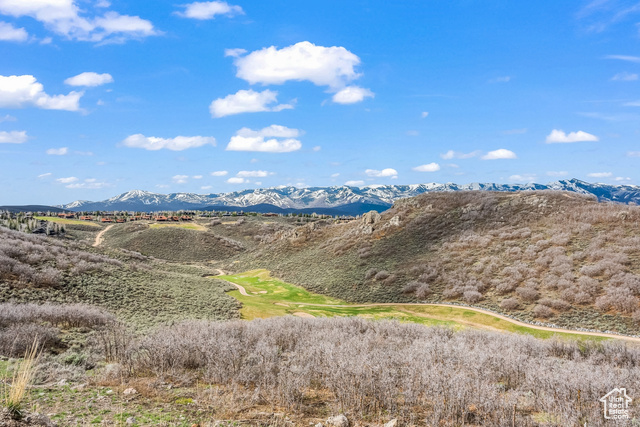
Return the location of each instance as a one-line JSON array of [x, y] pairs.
[[66, 221], [272, 297]]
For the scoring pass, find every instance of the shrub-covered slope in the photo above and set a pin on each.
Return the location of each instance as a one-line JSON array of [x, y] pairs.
[[552, 256]]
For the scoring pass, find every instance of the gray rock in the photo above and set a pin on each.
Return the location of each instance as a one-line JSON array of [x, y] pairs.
[[371, 217], [131, 420], [338, 420], [130, 391]]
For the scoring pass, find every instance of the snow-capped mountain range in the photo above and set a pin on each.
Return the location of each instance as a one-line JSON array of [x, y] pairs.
[[338, 199]]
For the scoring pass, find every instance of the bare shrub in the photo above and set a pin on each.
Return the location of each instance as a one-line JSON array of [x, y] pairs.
[[382, 275], [16, 339], [542, 311], [509, 304], [423, 291], [370, 273], [472, 296], [527, 294]]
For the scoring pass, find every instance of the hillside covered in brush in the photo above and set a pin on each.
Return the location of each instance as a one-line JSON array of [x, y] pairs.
[[556, 257]]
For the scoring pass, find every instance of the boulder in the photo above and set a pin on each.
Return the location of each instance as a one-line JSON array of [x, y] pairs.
[[371, 217], [338, 420]]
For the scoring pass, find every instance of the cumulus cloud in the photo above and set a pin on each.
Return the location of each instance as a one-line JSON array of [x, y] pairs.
[[12, 34], [351, 95], [180, 179], [459, 155], [323, 66], [335, 175], [501, 153], [57, 151], [23, 91], [197, 177], [89, 79], [13, 137], [429, 167], [622, 179], [559, 137], [272, 139], [424, 114], [64, 17], [234, 52], [625, 77], [219, 173], [67, 180], [178, 143], [45, 175], [600, 174], [209, 10], [253, 174], [237, 180], [384, 173], [246, 101], [317, 148], [354, 183]]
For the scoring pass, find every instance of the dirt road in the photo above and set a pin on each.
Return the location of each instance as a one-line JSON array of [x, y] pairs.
[[100, 238]]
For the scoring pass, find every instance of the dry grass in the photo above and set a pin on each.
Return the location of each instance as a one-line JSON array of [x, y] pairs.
[[22, 378]]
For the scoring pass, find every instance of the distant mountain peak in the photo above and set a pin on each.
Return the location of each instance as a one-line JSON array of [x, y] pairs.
[[334, 197]]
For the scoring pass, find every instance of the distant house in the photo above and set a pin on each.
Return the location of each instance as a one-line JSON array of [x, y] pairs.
[[121, 220], [161, 218], [147, 217], [270, 214], [175, 218], [86, 218], [186, 218], [106, 220]]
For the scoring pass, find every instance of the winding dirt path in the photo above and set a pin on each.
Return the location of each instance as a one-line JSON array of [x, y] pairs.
[[240, 288], [100, 236]]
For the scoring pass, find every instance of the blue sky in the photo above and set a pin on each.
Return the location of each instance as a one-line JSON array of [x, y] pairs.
[[101, 97]]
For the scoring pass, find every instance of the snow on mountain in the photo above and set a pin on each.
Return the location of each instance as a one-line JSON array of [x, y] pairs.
[[336, 196]]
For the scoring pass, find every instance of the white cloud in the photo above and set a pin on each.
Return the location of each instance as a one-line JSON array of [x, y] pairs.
[[45, 175], [622, 178], [424, 114], [335, 175], [10, 33], [206, 187], [430, 167], [625, 77], [633, 153], [236, 180], [384, 173], [68, 180], [246, 101], [557, 173], [234, 52], [197, 177], [258, 183], [632, 104], [458, 155], [317, 148], [22, 91], [351, 95], [525, 178], [627, 58], [281, 140], [89, 79], [209, 10], [13, 137], [219, 173], [103, 3], [57, 151], [63, 17], [178, 143], [180, 179], [7, 118], [90, 183], [600, 174], [354, 183], [324, 66], [559, 137], [499, 154], [253, 174]]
